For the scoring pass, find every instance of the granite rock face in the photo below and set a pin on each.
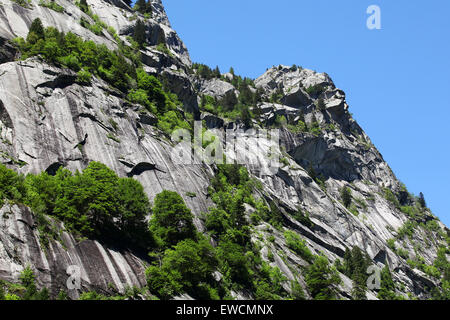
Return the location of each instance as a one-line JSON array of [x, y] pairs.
[[45, 115]]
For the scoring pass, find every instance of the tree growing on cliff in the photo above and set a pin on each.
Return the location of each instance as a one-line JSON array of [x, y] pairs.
[[143, 7], [422, 201], [36, 31], [321, 278], [139, 33], [172, 221], [346, 196]]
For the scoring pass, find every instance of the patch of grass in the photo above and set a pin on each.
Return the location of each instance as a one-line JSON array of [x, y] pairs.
[[113, 124], [112, 137]]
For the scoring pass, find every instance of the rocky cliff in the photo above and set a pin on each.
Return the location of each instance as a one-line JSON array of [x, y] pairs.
[[45, 114]]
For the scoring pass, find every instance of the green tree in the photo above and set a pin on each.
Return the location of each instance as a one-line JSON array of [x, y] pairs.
[[246, 116], [139, 33], [172, 221], [11, 185], [36, 31], [422, 201], [183, 268], [387, 289], [233, 262], [321, 279], [28, 281], [134, 207], [143, 6], [346, 196]]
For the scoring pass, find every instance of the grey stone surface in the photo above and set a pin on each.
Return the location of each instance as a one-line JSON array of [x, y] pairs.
[[45, 114]]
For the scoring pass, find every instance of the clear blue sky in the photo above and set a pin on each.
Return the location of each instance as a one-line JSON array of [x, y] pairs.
[[397, 79]]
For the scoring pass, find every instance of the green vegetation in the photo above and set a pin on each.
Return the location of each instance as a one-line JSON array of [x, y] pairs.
[[422, 201], [230, 106], [172, 220], [144, 7], [387, 289], [314, 126], [26, 289], [346, 196], [322, 279], [139, 34], [298, 245], [205, 72], [51, 5], [303, 218], [89, 59], [298, 127], [390, 196], [95, 203], [355, 267], [238, 259], [315, 90], [73, 52], [23, 3], [188, 267], [162, 47], [319, 179]]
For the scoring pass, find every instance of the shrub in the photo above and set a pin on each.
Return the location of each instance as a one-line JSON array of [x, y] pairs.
[[11, 185], [84, 77], [389, 196], [297, 128], [315, 90], [298, 245], [24, 3], [51, 5], [303, 218], [162, 47]]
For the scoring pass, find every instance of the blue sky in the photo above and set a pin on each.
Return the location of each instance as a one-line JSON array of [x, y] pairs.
[[397, 79]]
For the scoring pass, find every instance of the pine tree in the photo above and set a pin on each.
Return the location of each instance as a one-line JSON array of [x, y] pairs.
[[139, 33], [246, 116], [346, 196], [348, 262], [321, 279], [143, 7], [217, 73], [422, 201], [387, 289], [36, 31]]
